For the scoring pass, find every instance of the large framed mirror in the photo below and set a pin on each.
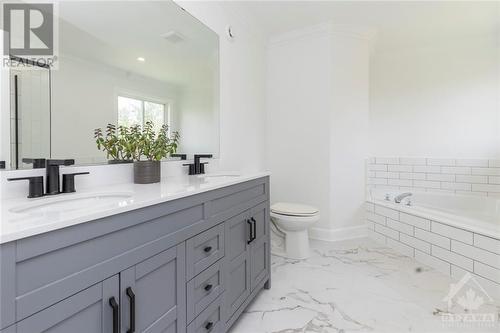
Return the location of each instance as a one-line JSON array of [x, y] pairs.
[[122, 63]]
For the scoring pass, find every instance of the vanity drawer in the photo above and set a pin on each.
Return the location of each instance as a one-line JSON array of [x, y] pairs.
[[204, 289], [203, 250], [210, 320]]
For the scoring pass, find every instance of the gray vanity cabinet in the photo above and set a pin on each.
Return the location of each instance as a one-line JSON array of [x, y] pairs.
[[183, 266], [247, 258], [152, 294], [88, 311]]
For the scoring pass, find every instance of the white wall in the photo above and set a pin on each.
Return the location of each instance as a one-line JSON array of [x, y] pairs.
[[437, 100], [242, 63], [317, 105]]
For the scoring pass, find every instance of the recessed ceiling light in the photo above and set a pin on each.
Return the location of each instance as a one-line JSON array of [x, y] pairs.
[[141, 59]]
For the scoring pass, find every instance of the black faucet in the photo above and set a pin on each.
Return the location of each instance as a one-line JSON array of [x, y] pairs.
[[198, 168], [52, 175]]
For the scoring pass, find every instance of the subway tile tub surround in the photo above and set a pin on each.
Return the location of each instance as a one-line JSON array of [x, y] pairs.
[[461, 176], [449, 249], [447, 240]]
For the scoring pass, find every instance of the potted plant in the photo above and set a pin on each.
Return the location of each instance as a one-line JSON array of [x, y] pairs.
[[142, 145]]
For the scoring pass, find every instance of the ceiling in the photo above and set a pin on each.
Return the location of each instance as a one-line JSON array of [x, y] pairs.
[[397, 22], [117, 33]]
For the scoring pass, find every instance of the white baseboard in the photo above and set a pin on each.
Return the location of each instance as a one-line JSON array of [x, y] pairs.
[[332, 235]]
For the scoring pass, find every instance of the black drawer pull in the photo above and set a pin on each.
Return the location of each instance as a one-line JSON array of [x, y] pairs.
[[131, 297], [254, 229], [207, 249], [251, 231], [116, 313], [208, 287], [209, 326]]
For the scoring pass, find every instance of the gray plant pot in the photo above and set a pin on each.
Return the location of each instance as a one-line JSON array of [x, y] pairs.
[[147, 172]]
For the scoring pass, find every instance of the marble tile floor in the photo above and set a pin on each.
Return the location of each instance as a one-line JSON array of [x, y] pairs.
[[361, 286]]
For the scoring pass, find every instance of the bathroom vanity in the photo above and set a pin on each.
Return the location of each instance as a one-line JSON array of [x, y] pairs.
[[173, 257]]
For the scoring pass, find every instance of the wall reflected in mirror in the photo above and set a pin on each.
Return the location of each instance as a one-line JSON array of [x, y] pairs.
[[123, 63]]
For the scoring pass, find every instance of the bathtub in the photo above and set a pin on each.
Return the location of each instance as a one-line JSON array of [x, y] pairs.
[[473, 213]]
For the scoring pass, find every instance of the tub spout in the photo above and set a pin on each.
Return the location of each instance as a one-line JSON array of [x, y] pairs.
[[400, 197]]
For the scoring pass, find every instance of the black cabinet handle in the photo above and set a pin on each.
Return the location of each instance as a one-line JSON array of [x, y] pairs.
[[131, 297], [251, 231], [254, 229], [208, 287], [207, 249], [116, 312], [209, 326]]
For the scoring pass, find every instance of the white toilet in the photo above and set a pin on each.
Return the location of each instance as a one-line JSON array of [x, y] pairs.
[[294, 220]]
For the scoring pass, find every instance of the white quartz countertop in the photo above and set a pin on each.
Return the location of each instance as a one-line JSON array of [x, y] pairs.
[[19, 219]]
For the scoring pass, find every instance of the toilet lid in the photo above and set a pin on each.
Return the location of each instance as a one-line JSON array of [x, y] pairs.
[[293, 209]]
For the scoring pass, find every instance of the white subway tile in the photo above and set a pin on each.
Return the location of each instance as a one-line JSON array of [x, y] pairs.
[[427, 168], [412, 161], [472, 179], [400, 168], [377, 181], [370, 225], [391, 213], [426, 184], [441, 161], [375, 218], [440, 177], [452, 257], [486, 188], [487, 243], [400, 182], [405, 175], [402, 227], [494, 163], [478, 194], [401, 248], [415, 243], [494, 179], [379, 238], [433, 238], [472, 162], [371, 174], [386, 231], [387, 160], [437, 264], [452, 232], [377, 167], [487, 272], [372, 160], [415, 221], [456, 170], [486, 257], [456, 186], [370, 207], [385, 174], [486, 171]]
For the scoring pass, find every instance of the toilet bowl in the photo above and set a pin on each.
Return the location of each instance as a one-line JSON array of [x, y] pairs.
[[294, 220]]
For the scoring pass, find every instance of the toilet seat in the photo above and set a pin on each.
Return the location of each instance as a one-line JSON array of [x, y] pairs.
[[293, 209]]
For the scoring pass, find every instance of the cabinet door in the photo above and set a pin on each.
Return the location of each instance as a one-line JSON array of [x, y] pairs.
[[88, 311], [259, 247], [153, 294], [237, 263]]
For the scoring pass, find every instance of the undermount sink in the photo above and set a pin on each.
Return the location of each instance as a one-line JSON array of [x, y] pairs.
[[219, 176], [72, 202]]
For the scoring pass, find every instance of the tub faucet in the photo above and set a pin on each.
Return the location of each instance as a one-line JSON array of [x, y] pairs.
[[400, 197]]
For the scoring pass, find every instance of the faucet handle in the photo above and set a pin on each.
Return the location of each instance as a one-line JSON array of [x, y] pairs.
[[182, 156], [197, 156], [65, 162], [35, 185], [69, 181]]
